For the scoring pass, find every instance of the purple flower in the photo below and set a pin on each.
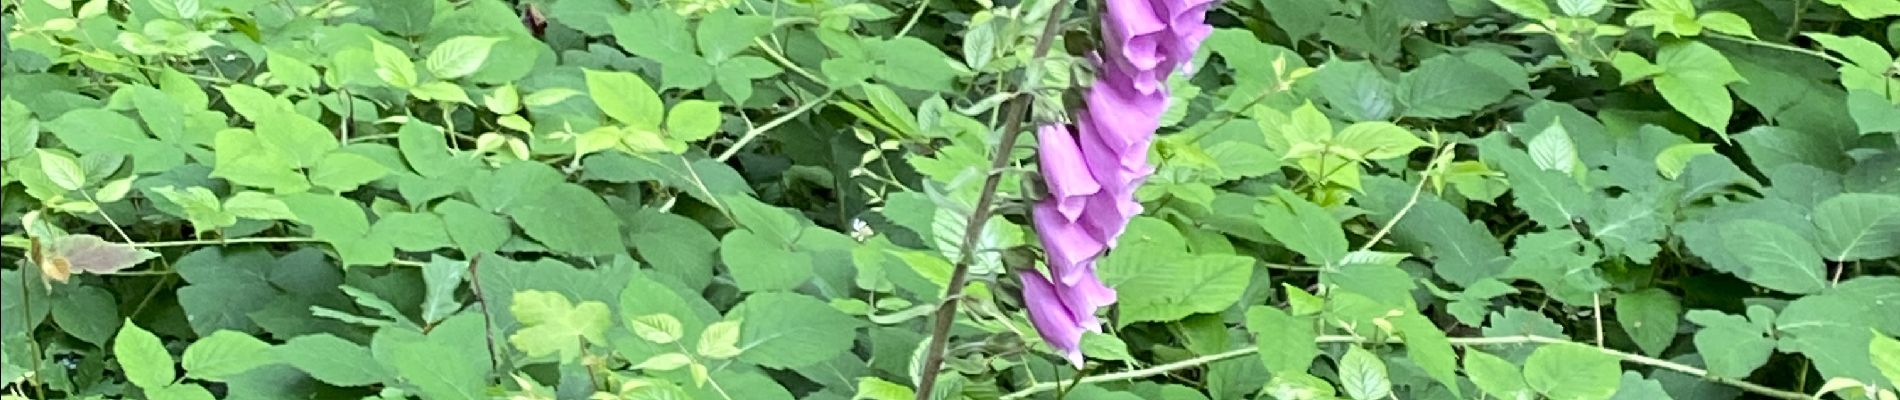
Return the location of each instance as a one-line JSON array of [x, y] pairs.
[[1093, 170]]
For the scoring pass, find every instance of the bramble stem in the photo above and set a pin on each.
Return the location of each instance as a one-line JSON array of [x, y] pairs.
[[774, 123], [1477, 341], [947, 311]]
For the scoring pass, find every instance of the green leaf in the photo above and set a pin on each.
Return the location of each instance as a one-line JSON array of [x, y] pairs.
[[1872, 112], [1356, 89], [568, 218], [441, 91], [664, 362], [343, 172], [96, 131], [142, 357], [1363, 375], [757, 264], [1553, 150], [1727, 23], [657, 328], [675, 245], [661, 35], [1304, 227], [786, 330], [476, 230], [626, 98], [1674, 159], [1447, 86], [184, 391], [1731, 345], [1581, 8], [1777, 257], [291, 71], [415, 232], [724, 33], [259, 206], [1428, 347], [693, 120], [1465, 251], [393, 65], [225, 354], [302, 139], [720, 340], [88, 313], [1103, 347], [1868, 9], [19, 132], [64, 171], [442, 277], [1529, 9], [1886, 354], [1859, 226], [460, 56], [1694, 81], [341, 223], [1634, 67], [1495, 376], [1376, 140], [1285, 342], [1572, 371], [201, 207], [1650, 316], [403, 17], [1158, 283], [553, 325]]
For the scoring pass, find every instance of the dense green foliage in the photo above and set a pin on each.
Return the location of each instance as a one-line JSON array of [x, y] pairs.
[[764, 199]]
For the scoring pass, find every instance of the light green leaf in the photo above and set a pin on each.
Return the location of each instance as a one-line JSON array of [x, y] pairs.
[[225, 354], [1376, 140], [626, 98], [64, 171], [1572, 371], [442, 91], [19, 132], [664, 362], [393, 65], [291, 71], [1727, 23], [1495, 376], [257, 205], [872, 388], [720, 340], [693, 120], [344, 172], [476, 230], [570, 219], [553, 325], [1859, 226], [1581, 8], [1158, 283], [1868, 9], [1285, 341], [787, 330], [1529, 9], [1363, 375], [1553, 150], [1886, 354], [142, 357], [1777, 257], [1103, 347], [1428, 347], [304, 140], [201, 207], [1650, 316], [1673, 159], [1634, 67], [460, 56], [657, 328], [1694, 82]]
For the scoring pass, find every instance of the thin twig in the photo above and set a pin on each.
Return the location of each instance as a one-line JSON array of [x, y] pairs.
[[1777, 46], [488, 322], [774, 123], [914, 16], [1477, 341], [1409, 203], [972, 231]]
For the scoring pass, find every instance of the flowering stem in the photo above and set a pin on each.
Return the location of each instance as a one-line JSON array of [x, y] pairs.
[[947, 310], [1477, 341]]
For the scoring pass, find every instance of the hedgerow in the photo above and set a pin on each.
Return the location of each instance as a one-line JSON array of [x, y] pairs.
[[840, 199]]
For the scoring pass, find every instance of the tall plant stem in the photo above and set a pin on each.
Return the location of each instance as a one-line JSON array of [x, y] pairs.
[[947, 310], [1760, 390]]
